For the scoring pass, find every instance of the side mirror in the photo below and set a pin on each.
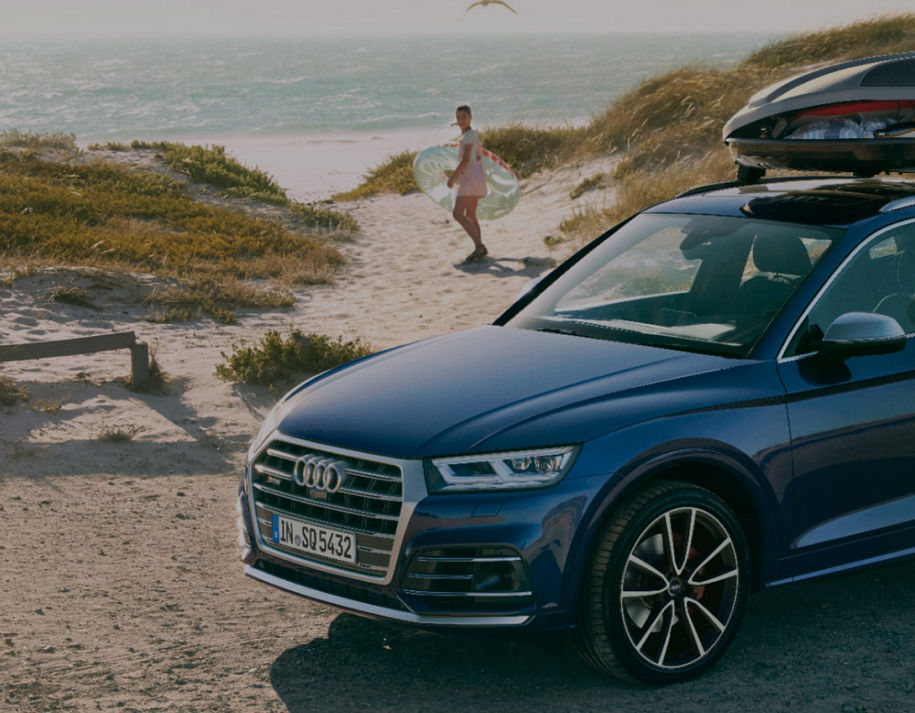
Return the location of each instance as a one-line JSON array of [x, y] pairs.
[[860, 333]]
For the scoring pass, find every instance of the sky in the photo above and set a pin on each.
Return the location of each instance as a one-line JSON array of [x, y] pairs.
[[98, 18]]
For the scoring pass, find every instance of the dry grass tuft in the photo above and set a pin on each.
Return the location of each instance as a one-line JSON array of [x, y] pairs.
[[72, 295], [214, 298], [13, 138], [119, 433], [11, 392], [530, 149], [592, 183]]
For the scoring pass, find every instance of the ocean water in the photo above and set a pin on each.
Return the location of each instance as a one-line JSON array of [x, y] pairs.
[[317, 112]]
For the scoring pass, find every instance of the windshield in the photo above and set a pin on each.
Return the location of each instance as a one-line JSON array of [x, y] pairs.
[[698, 282]]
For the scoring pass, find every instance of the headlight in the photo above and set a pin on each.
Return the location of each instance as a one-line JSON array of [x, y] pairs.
[[499, 471]]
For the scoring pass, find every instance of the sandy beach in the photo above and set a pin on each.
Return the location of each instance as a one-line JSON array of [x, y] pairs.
[[121, 583]]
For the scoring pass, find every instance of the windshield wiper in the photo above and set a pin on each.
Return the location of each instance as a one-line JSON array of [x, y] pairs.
[[556, 330]]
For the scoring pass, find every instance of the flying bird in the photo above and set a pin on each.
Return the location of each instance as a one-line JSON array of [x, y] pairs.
[[484, 3]]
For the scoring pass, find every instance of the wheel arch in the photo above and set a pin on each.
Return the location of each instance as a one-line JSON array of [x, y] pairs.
[[733, 478], [724, 483]]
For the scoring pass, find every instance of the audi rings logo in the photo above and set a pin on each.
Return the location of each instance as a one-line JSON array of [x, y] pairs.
[[319, 473]]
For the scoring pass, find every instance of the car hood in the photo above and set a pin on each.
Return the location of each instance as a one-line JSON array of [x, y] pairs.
[[493, 388]]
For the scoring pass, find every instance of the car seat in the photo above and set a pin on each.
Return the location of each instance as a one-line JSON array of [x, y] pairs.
[[782, 260]]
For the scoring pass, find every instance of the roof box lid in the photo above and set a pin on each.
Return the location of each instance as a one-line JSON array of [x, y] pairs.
[[857, 116]]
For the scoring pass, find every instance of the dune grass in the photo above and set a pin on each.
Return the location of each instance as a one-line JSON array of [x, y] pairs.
[[887, 34], [33, 141], [530, 149], [591, 183], [393, 175], [101, 215], [212, 166], [277, 361]]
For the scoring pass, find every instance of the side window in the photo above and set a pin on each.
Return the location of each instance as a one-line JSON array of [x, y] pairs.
[[880, 278]]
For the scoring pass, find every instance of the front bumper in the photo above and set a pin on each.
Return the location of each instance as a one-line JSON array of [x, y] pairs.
[[468, 560], [379, 611]]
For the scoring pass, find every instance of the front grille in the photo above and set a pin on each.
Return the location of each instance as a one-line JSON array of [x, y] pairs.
[[367, 503]]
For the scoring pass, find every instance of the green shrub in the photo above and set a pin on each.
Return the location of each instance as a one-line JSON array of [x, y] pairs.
[[109, 146], [213, 166], [276, 361]]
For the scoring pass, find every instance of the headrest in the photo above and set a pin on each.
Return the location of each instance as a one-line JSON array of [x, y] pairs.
[[781, 254]]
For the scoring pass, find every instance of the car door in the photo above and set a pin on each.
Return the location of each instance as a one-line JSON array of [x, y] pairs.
[[852, 497]]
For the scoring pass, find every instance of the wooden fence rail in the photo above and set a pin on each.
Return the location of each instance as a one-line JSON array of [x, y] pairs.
[[139, 352]]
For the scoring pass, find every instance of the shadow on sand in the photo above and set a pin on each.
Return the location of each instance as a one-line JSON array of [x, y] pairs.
[[529, 267], [193, 441], [815, 646]]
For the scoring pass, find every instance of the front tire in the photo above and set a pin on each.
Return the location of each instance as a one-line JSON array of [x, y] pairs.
[[666, 585]]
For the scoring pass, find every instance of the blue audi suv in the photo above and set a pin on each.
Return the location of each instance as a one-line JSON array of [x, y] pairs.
[[714, 397]]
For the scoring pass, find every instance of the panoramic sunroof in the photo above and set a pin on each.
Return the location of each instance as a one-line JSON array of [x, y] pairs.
[[817, 207]]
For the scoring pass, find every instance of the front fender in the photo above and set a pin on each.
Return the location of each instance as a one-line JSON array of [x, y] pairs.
[[741, 454]]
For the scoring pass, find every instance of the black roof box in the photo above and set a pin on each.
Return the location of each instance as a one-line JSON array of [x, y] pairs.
[[856, 117]]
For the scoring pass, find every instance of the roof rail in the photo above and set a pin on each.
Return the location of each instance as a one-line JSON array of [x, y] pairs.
[[772, 179]]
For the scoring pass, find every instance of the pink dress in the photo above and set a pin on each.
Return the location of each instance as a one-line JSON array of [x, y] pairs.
[[473, 181]]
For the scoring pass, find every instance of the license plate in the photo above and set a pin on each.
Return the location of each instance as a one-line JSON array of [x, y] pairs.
[[314, 540]]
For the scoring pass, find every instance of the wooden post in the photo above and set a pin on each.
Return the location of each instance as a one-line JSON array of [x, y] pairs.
[[139, 366], [139, 352]]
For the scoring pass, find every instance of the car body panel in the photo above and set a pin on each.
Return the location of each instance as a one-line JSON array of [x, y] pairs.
[[427, 401], [853, 434]]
